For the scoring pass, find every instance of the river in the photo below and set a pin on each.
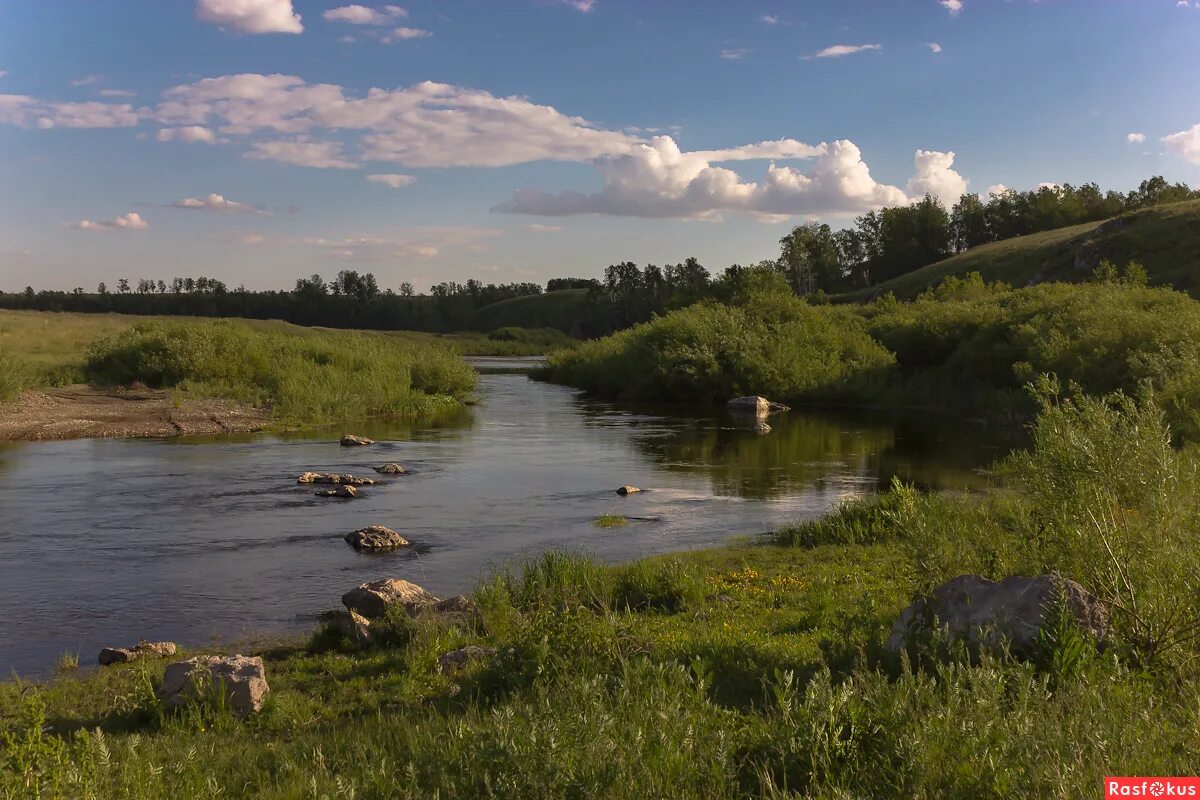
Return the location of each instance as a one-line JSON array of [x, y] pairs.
[[107, 541]]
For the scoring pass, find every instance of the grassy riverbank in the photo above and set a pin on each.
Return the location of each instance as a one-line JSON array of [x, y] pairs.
[[302, 375], [756, 669], [962, 345]]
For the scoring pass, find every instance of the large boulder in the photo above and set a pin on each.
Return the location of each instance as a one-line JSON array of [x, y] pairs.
[[373, 599], [332, 477], [459, 604], [241, 680], [376, 537], [628, 490], [121, 655], [351, 624], [986, 612], [392, 469], [756, 405], [350, 440]]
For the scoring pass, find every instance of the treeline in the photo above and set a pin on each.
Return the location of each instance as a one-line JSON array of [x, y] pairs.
[[890, 242], [813, 259]]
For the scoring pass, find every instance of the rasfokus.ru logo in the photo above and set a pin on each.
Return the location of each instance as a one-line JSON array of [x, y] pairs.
[[1151, 787]]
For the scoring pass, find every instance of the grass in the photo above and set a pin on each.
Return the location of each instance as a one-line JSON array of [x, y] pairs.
[[752, 670], [304, 375], [1164, 238], [561, 310], [610, 521]]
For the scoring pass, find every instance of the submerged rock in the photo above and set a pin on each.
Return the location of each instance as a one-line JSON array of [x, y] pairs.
[[332, 477], [373, 599], [761, 428], [120, 655], [1013, 610], [350, 440], [455, 660], [242, 680], [392, 469], [626, 490], [376, 537], [754, 404], [340, 491]]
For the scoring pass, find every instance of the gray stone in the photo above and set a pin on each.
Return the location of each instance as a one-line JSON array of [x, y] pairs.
[[242, 680], [392, 469], [376, 537], [350, 440], [352, 625], [120, 655], [373, 599], [761, 428], [332, 477], [455, 660], [459, 604], [626, 490], [1013, 610], [340, 492]]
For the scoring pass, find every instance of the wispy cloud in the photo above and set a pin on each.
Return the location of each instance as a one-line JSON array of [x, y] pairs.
[[393, 180], [839, 50], [217, 204], [735, 53], [934, 47], [363, 15], [582, 6]]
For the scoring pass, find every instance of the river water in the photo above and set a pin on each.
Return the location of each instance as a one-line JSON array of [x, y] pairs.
[[104, 542]]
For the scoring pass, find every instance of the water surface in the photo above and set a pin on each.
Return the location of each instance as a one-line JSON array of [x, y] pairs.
[[104, 542]]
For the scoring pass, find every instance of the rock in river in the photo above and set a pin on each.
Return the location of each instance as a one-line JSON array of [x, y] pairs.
[[376, 537], [241, 679], [341, 491], [333, 477], [985, 612], [120, 655], [754, 404], [392, 469], [375, 598], [625, 490], [350, 440]]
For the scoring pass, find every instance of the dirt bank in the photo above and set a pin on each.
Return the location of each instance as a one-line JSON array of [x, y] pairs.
[[85, 412]]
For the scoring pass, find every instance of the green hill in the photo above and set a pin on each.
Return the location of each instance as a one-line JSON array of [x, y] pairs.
[[1166, 239]]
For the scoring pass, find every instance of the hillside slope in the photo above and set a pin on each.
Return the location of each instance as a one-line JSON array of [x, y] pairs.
[[561, 310], [1166, 239]]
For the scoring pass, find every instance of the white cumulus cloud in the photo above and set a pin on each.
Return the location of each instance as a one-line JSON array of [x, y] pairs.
[[955, 7], [657, 179], [934, 175], [839, 50], [997, 188], [1135, 138], [1185, 143], [583, 6], [216, 203], [364, 15], [251, 16], [130, 222], [424, 125], [188, 133], [393, 180], [934, 47]]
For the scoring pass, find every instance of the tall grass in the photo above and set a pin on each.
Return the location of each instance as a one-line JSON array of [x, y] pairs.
[[300, 378]]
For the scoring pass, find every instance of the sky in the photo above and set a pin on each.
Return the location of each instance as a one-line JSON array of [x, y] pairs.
[[256, 141]]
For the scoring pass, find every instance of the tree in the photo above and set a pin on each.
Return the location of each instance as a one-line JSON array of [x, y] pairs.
[[809, 257], [123, 285], [102, 288], [969, 223], [406, 289]]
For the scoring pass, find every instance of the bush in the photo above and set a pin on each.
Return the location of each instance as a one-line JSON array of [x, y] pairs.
[[300, 377]]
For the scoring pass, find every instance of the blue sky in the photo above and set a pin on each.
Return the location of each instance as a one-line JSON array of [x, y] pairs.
[[259, 140]]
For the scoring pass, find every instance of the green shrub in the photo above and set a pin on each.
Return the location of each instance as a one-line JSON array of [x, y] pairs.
[[325, 376]]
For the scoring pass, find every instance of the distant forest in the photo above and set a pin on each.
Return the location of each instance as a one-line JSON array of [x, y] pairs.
[[813, 259]]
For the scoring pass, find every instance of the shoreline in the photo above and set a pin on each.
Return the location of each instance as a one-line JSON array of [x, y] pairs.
[[80, 411]]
